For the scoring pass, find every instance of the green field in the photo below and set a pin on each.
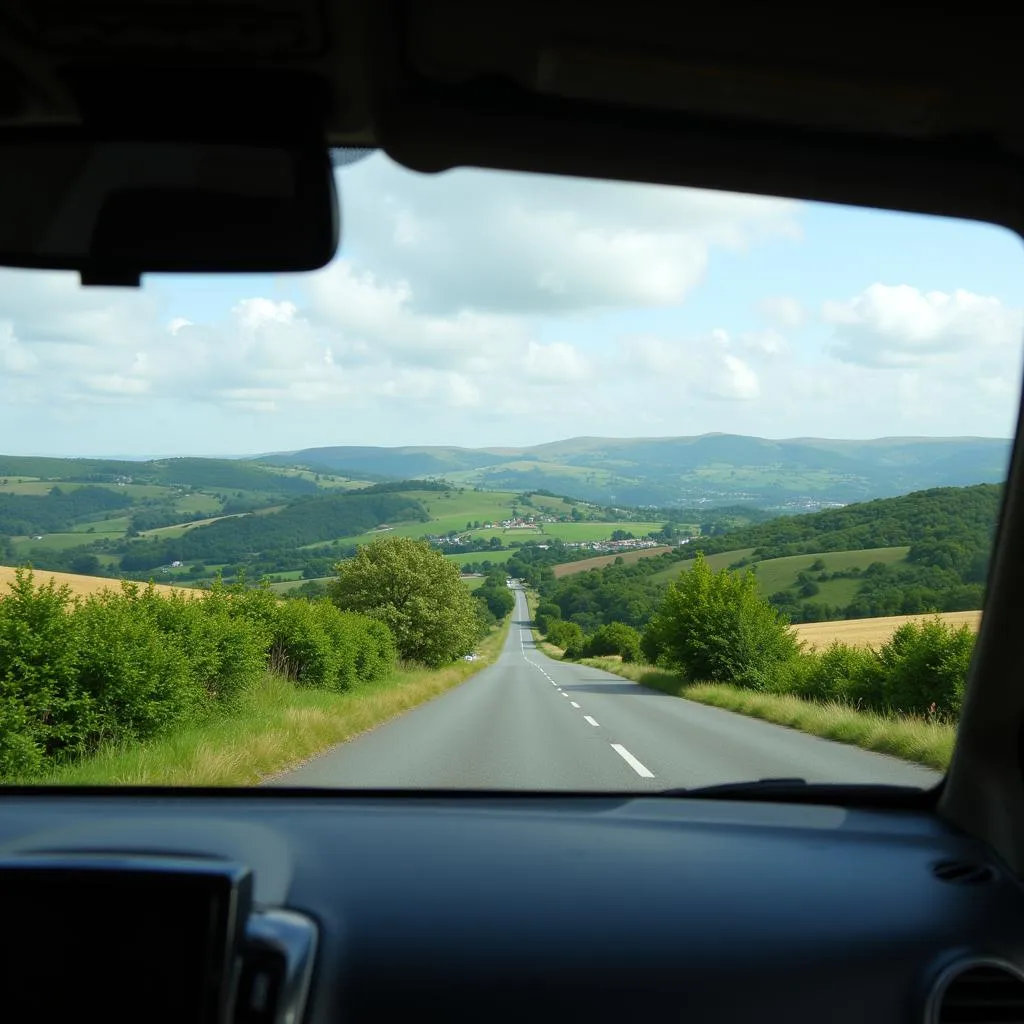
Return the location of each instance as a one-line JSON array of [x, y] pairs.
[[179, 528], [720, 561], [472, 582], [494, 557], [780, 573], [198, 503], [115, 526], [52, 542], [575, 532], [40, 487], [282, 586]]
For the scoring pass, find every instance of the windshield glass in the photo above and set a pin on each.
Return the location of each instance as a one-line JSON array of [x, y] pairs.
[[542, 484]]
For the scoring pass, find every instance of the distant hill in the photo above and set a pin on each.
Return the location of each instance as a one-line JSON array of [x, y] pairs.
[[798, 474]]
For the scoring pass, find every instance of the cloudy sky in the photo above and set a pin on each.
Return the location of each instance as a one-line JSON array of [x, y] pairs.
[[478, 308]]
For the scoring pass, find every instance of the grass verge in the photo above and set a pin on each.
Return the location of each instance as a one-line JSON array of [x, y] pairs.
[[277, 727], [905, 736]]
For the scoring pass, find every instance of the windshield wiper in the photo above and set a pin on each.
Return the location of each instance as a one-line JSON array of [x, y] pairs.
[[796, 790]]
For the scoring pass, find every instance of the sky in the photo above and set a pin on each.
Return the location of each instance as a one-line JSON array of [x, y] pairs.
[[478, 308]]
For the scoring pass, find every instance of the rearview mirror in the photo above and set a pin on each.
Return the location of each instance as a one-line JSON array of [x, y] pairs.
[[114, 210]]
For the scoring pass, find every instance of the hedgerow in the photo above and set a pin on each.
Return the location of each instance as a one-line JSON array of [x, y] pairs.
[[127, 665]]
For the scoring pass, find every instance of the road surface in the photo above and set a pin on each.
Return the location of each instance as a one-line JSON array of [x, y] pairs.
[[528, 722]]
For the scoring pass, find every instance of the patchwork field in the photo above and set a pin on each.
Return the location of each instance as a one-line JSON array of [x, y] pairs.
[[872, 632]]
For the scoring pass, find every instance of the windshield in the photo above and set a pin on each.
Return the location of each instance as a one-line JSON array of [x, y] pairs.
[[542, 484]]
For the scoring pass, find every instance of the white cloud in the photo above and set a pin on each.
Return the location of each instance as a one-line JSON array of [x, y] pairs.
[[521, 244], [708, 367], [902, 326]]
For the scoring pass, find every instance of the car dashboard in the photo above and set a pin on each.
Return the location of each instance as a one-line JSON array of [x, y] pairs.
[[546, 907]]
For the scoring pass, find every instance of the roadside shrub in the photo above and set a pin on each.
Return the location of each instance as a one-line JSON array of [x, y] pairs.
[[838, 673], [42, 708], [319, 646], [301, 648], [925, 664], [567, 635], [226, 652], [714, 627], [377, 653], [547, 612], [139, 677], [614, 638]]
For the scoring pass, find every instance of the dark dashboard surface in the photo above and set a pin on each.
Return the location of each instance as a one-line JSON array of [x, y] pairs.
[[552, 906]]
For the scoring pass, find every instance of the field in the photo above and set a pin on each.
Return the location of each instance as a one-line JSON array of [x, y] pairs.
[[575, 532], [872, 632], [494, 557], [56, 541], [179, 528], [80, 585], [599, 561], [720, 561], [780, 573], [284, 585]]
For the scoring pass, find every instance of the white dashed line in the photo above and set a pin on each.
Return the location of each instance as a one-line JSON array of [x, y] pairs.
[[642, 770], [574, 704], [563, 693], [589, 719]]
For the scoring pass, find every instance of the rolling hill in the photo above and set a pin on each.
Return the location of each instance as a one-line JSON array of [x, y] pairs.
[[796, 474]]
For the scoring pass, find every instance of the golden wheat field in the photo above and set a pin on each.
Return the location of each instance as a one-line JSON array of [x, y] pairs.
[[872, 632], [80, 585]]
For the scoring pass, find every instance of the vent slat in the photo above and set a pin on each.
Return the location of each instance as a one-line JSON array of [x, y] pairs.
[[983, 995], [959, 872]]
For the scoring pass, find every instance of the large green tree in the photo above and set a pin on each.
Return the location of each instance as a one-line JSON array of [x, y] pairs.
[[417, 592]]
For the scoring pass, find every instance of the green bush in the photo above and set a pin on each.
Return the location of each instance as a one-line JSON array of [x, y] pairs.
[[565, 634], [319, 646], [547, 612], [924, 667], [139, 677], [714, 627], [614, 638], [921, 670], [43, 710], [301, 648]]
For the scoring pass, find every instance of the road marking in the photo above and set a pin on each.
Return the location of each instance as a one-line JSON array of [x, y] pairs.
[[563, 693], [574, 704], [642, 770], [590, 720]]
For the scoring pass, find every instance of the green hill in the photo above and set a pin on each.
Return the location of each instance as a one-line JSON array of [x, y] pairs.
[[796, 474]]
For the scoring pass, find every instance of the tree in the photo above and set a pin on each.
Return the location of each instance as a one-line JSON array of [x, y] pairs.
[[417, 592], [85, 565], [714, 627]]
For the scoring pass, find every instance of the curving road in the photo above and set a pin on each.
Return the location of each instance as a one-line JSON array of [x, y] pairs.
[[528, 722]]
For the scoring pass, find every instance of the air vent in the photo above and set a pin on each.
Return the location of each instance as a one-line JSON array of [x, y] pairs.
[[963, 872], [978, 992]]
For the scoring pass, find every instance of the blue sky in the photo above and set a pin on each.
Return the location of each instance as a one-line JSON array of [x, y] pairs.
[[478, 308]]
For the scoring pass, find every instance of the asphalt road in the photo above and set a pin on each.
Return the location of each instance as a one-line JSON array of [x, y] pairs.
[[528, 722]]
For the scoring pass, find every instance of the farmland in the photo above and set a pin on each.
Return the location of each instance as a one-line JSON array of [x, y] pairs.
[[81, 586], [600, 561], [872, 632]]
